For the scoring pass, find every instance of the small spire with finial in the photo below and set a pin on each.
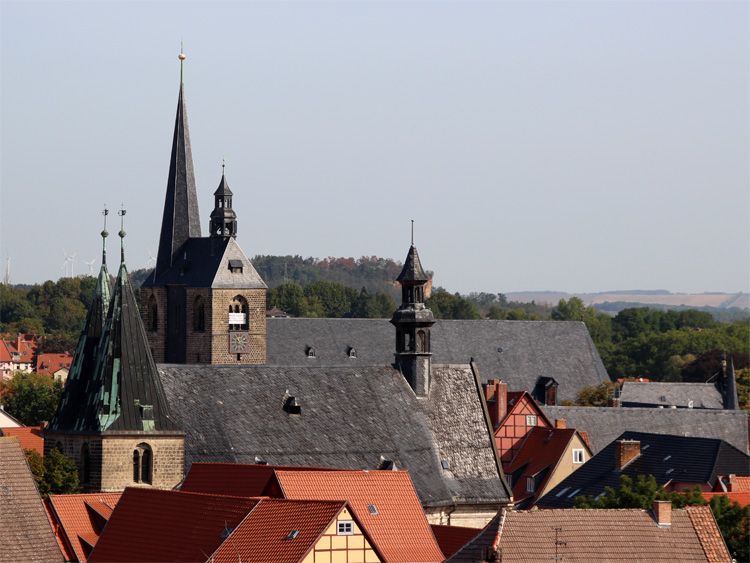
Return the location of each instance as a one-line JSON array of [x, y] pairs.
[[121, 234], [182, 56], [223, 165], [104, 234], [412, 232]]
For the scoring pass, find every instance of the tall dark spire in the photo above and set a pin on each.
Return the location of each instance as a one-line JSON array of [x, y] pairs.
[[181, 219], [731, 401]]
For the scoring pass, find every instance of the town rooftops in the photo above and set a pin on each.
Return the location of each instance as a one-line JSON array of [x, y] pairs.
[[78, 520], [663, 394], [519, 352], [604, 424], [687, 461], [25, 532], [29, 437], [48, 364], [602, 535], [349, 418]]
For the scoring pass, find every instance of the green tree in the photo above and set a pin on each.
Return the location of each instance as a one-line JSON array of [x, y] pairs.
[[335, 298], [595, 395], [445, 305], [30, 397], [55, 474], [599, 324], [734, 522], [288, 297]]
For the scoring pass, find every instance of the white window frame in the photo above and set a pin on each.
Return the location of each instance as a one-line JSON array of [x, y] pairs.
[[530, 485], [345, 528], [531, 420], [579, 456]]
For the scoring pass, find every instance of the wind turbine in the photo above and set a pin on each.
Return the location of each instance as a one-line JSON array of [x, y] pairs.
[[90, 264], [151, 260]]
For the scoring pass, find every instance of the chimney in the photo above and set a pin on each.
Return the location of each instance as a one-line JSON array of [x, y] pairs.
[[561, 423], [626, 451], [496, 396], [663, 513], [20, 340]]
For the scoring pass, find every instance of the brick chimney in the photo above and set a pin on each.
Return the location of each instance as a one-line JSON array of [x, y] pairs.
[[496, 396], [626, 451], [561, 423], [663, 513]]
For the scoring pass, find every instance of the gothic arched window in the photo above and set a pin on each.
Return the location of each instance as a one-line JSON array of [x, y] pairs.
[[153, 314], [199, 314], [85, 463], [421, 341], [142, 464], [238, 314]]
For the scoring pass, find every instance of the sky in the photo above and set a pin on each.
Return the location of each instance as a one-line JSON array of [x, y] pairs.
[[572, 146]]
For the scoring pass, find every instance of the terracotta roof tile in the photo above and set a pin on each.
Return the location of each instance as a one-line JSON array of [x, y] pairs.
[[263, 535], [30, 437], [80, 517], [742, 498], [739, 484], [149, 525], [398, 528], [452, 538], [708, 533], [25, 532], [48, 364]]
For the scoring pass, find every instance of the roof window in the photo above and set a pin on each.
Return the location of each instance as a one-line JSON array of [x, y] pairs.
[[292, 406], [235, 266], [574, 493], [352, 352], [310, 351], [445, 464], [562, 491], [292, 535], [372, 509]]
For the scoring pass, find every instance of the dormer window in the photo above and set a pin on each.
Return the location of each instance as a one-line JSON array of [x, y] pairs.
[[352, 353], [311, 352], [235, 266], [529, 484]]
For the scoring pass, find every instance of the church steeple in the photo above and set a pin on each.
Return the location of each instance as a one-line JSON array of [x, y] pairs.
[[181, 219], [223, 217], [413, 321]]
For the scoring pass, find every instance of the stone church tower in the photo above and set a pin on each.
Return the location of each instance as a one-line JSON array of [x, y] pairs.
[[113, 417], [204, 303]]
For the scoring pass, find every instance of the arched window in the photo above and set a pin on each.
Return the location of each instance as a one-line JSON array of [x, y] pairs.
[[238, 314], [153, 314], [199, 314], [85, 463], [142, 464], [421, 341]]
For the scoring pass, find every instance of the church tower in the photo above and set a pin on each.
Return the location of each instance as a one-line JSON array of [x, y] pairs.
[[413, 321], [204, 303], [113, 417]]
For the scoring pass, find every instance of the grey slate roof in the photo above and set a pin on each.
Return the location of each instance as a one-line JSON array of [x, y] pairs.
[[684, 395], [666, 457], [25, 531], [350, 417], [204, 262], [604, 424], [530, 349], [412, 270], [181, 219]]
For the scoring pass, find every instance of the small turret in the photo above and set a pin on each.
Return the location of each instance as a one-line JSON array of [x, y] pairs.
[[223, 217]]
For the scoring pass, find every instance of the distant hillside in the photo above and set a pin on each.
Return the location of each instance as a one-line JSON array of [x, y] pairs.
[[640, 298]]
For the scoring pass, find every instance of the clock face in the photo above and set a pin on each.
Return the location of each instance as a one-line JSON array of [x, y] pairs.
[[239, 342]]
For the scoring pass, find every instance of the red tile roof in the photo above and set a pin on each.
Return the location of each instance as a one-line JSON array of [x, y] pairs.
[[5, 356], [25, 532], [149, 525], [605, 535], [537, 457], [30, 437], [263, 535], [738, 484], [48, 364], [78, 520], [25, 345], [452, 538], [399, 529], [742, 498]]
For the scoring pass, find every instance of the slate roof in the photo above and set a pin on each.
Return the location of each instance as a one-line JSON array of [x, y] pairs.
[[181, 219], [530, 349], [25, 532], [30, 437], [604, 424], [204, 262], [412, 270], [679, 394], [78, 520], [667, 458], [604, 535], [349, 418]]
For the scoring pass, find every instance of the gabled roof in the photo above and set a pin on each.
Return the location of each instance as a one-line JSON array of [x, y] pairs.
[[514, 399], [79, 519], [537, 458], [412, 270], [263, 535], [667, 458], [604, 535], [181, 219], [663, 394], [452, 538], [604, 424], [7, 421], [151, 525], [30, 437], [48, 364], [25, 532], [518, 352], [204, 262], [349, 418], [383, 501]]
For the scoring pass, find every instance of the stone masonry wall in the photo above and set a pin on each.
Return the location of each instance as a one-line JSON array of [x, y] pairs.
[[117, 461], [72, 447], [256, 299], [157, 340], [198, 342]]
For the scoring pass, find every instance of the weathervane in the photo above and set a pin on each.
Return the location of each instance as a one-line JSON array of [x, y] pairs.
[[182, 56], [121, 234], [412, 232], [104, 234]]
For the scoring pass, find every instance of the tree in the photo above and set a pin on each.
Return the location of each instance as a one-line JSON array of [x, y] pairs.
[[30, 397], [55, 474], [734, 522], [599, 324], [288, 297], [595, 395]]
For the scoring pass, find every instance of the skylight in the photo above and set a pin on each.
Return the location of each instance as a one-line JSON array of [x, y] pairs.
[[292, 535], [562, 491], [574, 493], [372, 509]]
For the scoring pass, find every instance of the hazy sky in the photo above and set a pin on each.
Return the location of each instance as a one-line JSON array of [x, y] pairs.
[[576, 146]]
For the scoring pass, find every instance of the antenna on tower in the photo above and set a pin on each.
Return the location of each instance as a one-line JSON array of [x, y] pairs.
[[412, 232]]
